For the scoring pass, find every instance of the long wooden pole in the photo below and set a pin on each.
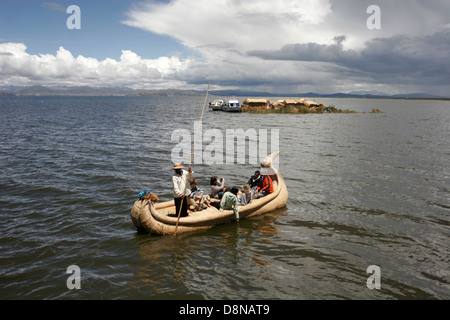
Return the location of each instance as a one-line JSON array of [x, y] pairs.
[[192, 156]]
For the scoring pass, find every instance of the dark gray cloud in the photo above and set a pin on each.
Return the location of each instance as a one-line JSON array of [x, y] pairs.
[[398, 58]]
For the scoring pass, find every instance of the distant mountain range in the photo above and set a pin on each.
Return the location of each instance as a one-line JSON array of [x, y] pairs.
[[91, 91], [332, 95], [107, 91]]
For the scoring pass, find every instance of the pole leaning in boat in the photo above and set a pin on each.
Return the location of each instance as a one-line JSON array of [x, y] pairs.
[[190, 162]]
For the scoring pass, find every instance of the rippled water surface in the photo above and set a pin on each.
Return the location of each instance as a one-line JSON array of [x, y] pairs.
[[364, 189]]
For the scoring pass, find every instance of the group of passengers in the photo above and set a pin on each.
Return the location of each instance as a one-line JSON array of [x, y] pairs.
[[221, 197]]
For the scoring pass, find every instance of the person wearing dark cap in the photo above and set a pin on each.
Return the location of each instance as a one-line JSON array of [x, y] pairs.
[[180, 190]]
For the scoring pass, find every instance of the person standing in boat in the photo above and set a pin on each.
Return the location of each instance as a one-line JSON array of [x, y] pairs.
[[265, 188], [180, 190]]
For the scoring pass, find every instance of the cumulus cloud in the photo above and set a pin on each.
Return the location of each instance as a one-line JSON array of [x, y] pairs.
[[306, 44], [242, 25], [17, 67], [208, 25], [223, 31], [278, 46]]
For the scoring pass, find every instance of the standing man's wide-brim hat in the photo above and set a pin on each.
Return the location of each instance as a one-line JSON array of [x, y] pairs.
[[177, 166]]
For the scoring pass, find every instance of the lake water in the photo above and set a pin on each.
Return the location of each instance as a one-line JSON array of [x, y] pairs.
[[364, 190]]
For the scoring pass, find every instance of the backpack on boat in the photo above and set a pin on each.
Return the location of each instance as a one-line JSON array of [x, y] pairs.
[[147, 195]]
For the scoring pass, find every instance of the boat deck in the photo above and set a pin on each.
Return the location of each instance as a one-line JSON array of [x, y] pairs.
[[165, 211]]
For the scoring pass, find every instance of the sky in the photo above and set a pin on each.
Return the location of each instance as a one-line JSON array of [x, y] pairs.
[[278, 46]]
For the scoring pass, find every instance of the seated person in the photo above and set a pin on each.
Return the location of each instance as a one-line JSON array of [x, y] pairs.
[[229, 202], [265, 188], [197, 197], [246, 197], [255, 180], [217, 186]]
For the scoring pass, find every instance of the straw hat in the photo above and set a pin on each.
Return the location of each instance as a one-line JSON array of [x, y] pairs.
[[177, 166]]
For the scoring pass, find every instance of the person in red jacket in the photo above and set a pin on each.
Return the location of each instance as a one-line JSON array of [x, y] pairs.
[[265, 188]]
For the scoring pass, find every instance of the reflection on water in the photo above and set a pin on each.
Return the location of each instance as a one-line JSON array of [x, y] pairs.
[[197, 262]]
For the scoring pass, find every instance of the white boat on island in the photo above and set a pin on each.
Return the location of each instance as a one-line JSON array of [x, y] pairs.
[[232, 106]]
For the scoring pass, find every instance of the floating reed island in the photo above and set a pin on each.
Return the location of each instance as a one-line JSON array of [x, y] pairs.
[[288, 106]]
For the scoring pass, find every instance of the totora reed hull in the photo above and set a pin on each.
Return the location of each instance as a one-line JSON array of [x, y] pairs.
[[161, 218]]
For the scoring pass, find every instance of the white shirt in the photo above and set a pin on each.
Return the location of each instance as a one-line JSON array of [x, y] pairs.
[[179, 183], [215, 189]]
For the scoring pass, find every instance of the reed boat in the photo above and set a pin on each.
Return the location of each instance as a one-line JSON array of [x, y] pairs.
[[161, 218]]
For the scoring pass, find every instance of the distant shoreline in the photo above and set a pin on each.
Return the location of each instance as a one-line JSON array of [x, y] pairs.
[[199, 94], [181, 94], [85, 91]]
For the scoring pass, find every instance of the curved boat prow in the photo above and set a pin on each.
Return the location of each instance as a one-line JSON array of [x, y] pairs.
[[267, 164]]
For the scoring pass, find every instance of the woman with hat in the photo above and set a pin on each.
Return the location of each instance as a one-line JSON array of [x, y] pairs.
[[179, 180]]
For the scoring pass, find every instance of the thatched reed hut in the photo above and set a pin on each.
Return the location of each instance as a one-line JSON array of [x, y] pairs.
[[256, 103]]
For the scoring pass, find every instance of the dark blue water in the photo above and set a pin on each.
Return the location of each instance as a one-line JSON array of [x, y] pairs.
[[364, 189]]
